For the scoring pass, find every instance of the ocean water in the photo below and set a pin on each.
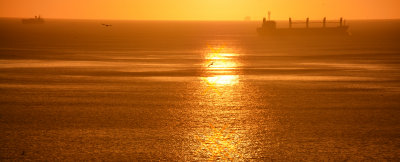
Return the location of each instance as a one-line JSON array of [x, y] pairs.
[[197, 91]]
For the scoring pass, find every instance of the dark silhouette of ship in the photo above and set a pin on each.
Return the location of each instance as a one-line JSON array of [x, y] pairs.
[[268, 28], [36, 20]]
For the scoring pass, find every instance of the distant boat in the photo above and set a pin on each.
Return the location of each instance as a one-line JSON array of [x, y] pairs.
[[268, 28], [106, 25], [36, 20]]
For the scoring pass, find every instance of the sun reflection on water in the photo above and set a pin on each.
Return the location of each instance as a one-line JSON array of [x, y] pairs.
[[220, 58], [219, 144], [220, 64], [221, 87], [222, 80]]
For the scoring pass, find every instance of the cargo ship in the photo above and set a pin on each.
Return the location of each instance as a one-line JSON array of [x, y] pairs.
[[36, 20], [269, 28]]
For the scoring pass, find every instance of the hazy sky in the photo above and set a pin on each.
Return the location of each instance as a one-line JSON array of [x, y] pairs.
[[201, 9]]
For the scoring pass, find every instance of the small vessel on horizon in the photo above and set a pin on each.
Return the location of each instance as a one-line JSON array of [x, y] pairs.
[[36, 20], [269, 28]]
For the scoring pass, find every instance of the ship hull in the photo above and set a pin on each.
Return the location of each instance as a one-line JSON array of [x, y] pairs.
[[304, 31], [32, 21]]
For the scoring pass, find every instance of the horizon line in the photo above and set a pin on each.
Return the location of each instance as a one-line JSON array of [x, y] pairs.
[[125, 19]]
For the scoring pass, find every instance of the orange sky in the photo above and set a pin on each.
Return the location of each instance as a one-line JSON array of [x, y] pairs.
[[201, 9]]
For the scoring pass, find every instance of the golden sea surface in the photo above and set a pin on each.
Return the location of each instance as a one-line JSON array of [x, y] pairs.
[[197, 91]]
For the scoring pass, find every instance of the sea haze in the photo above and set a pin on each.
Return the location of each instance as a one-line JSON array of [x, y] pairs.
[[174, 90]]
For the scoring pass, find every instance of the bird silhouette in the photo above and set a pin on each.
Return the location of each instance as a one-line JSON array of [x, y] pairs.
[[212, 63]]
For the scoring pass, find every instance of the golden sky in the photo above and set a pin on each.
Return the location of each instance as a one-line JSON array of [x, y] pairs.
[[201, 9]]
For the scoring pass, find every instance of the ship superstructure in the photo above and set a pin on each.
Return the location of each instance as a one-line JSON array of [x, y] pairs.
[[36, 20]]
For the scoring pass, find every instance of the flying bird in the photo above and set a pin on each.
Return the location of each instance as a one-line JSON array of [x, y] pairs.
[[106, 25], [212, 63]]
